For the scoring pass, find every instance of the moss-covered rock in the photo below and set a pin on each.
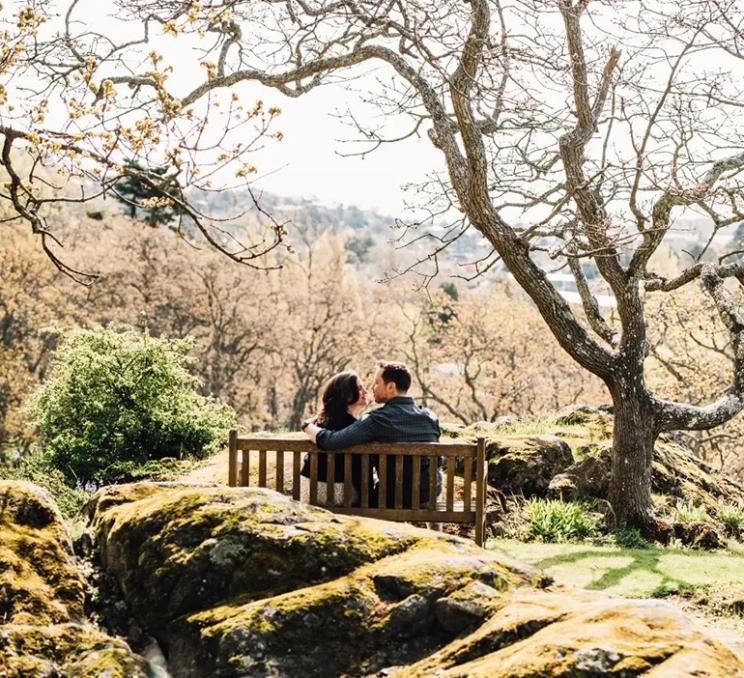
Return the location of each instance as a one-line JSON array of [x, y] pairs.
[[244, 581], [526, 464], [552, 633], [588, 477], [388, 612], [65, 650], [43, 631], [39, 581], [519, 464], [242, 576], [676, 472], [202, 545], [572, 459], [675, 475]]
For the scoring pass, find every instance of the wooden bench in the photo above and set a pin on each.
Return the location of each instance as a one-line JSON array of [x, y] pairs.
[[286, 455]]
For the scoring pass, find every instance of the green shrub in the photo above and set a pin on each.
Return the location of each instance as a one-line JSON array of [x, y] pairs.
[[686, 512], [629, 538], [550, 520], [732, 517], [116, 400], [36, 468]]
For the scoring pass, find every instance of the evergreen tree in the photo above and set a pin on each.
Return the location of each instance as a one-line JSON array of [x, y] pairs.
[[132, 192]]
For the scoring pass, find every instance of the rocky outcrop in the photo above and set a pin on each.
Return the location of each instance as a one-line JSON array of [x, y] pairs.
[[587, 478], [526, 464], [43, 630], [675, 475], [573, 460], [576, 634], [518, 464], [245, 581], [249, 579]]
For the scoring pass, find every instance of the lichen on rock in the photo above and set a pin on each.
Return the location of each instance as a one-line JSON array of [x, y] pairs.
[[555, 633], [39, 582], [43, 630], [203, 545], [72, 650], [272, 587]]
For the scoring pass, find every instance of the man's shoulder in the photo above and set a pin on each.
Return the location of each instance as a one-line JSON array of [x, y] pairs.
[[400, 410], [420, 409], [378, 414], [410, 410], [429, 412]]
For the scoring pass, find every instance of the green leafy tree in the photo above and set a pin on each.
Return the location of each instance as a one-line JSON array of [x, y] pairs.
[[116, 400]]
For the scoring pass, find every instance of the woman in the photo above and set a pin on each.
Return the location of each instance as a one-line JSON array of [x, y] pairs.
[[343, 399]]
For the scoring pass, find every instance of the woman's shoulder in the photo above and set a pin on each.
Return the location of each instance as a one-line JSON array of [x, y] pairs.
[[342, 422]]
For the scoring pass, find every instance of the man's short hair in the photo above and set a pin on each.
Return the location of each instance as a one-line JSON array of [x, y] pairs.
[[396, 372]]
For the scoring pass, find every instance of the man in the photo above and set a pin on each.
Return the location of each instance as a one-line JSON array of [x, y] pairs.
[[398, 420]]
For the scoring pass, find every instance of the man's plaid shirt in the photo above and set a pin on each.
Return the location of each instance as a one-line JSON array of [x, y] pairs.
[[399, 420]]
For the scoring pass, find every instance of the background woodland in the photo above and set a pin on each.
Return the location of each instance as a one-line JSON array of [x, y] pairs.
[[265, 339]]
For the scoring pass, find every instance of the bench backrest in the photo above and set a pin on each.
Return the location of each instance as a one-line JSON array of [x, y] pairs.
[[470, 457]]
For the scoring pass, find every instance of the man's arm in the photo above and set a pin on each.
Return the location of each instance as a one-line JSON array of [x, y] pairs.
[[362, 431]]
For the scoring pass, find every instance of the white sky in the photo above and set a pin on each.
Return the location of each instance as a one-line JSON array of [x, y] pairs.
[[306, 163]]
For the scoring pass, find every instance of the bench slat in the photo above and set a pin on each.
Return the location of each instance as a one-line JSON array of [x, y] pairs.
[[408, 449], [245, 471], [313, 477], [416, 489], [398, 481], [433, 461], [365, 481], [280, 471], [232, 474], [348, 488], [467, 481], [382, 472], [296, 475], [262, 468], [480, 492], [330, 478], [450, 482]]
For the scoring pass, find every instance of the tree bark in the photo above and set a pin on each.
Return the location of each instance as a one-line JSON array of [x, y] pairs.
[[634, 434]]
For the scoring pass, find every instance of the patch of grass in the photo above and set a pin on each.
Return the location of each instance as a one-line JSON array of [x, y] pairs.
[[535, 427], [732, 517], [549, 520], [630, 573], [629, 538], [686, 512]]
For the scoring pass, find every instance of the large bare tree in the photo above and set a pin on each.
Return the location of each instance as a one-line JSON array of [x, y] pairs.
[[573, 133]]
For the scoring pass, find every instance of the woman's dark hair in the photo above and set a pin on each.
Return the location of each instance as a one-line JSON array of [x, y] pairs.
[[339, 392]]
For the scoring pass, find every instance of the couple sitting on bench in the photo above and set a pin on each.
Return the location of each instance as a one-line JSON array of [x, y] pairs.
[[338, 426]]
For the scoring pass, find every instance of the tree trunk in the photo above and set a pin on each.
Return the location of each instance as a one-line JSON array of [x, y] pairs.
[[634, 435], [299, 403]]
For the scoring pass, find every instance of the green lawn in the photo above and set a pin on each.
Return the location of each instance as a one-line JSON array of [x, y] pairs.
[[633, 573]]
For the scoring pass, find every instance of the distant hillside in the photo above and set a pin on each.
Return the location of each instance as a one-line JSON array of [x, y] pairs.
[[301, 211]]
